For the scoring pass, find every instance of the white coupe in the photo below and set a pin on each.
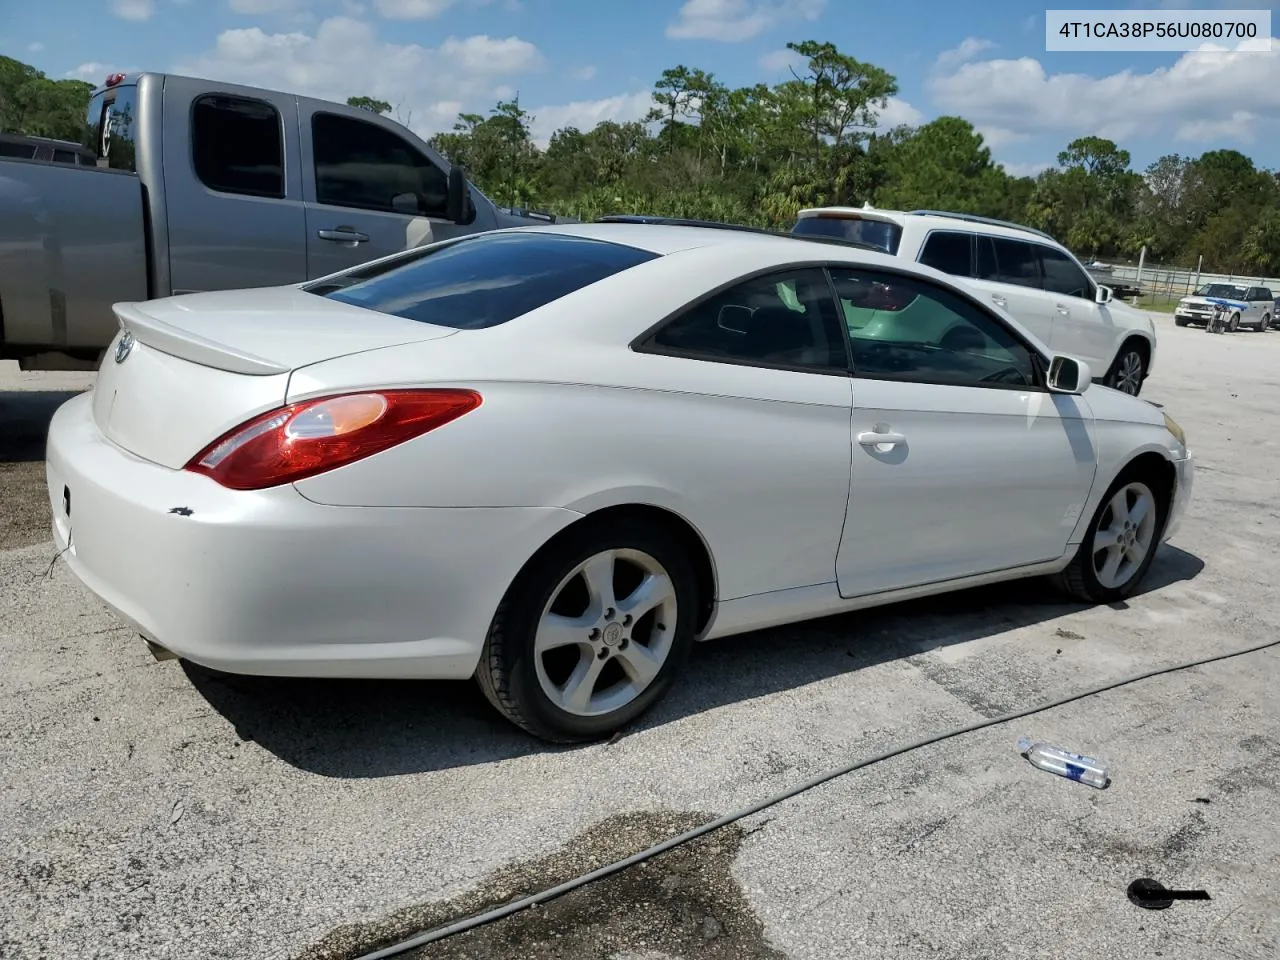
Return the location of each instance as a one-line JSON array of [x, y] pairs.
[[552, 458]]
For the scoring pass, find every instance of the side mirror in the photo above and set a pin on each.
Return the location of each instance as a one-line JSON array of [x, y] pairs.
[[406, 203], [458, 206], [1069, 375], [1103, 295]]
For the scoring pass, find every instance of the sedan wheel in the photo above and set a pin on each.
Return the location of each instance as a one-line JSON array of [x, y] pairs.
[[1120, 544], [1127, 372], [592, 634]]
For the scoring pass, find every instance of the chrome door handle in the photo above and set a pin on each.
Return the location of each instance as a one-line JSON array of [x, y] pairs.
[[871, 439], [1000, 301], [342, 235], [1064, 309]]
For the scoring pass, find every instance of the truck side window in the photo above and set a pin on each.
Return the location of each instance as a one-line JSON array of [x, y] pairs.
[[238, 146], [363, 165]]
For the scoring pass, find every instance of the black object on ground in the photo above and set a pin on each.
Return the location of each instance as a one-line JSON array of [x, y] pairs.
[[1152, 895]]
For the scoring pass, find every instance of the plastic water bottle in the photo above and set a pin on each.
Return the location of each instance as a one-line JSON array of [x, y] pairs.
[[1073, 766]]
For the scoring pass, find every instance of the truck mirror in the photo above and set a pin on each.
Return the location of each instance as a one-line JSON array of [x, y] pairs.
[[458, 206]]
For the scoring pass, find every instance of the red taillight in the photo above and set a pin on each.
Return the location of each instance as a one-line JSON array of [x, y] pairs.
[[313, 436], [114, 79]]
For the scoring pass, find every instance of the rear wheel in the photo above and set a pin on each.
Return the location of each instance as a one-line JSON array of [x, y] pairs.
[[592, 633], [1264, 323], [1120, 543], [1128, 370]]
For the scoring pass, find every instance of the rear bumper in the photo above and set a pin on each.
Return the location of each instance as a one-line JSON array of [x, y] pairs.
[[271, 583], [1183, 482]]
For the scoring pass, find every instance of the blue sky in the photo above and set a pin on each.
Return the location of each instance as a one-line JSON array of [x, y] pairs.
[[575, 61]]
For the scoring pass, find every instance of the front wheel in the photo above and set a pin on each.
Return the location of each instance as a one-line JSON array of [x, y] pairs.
[[1128, 370], [1264, 323], [592, 633], [1119, 545], [1234, 326]]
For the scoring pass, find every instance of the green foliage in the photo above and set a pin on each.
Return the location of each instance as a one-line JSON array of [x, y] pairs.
[[759, 154], [32, 104]]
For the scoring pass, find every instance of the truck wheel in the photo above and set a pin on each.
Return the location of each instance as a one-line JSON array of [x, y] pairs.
[[1181, 321], [1264, 323], [1234, 326]]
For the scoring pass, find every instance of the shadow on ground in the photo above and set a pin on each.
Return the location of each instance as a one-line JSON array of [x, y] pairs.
[[24, 425], [24, 422], [376, 728]]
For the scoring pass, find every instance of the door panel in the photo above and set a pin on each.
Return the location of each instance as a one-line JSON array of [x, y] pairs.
[[981, 480], [962, 463], [1008, 275], [370, 192], [1083, 328], [233, 190]]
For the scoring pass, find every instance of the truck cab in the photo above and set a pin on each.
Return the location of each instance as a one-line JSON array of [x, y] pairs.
[[196, 185]]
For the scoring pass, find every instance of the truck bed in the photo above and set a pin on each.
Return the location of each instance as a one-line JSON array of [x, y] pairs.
[[73, 241]]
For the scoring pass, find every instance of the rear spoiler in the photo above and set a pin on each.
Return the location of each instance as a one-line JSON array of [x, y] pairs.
[[190, 346]]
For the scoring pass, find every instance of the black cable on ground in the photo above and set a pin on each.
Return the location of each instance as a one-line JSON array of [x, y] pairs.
[[506, 910]]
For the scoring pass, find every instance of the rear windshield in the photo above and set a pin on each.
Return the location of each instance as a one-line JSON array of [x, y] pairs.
[[878, 233], [484, 280]]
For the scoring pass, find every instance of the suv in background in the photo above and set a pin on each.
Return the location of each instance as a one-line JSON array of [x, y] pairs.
[[1023, 271], [1254, 306], [22, 147]]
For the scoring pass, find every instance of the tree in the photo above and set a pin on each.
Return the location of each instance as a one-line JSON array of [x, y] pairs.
[[369, 103]]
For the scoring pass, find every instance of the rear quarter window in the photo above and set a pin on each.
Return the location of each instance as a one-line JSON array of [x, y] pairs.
[[484, 280]]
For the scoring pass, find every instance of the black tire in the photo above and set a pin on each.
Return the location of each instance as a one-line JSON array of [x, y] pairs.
[[1130, 357], [507, 672], [1234, 325], [1079, 580], [1181, 321], [1264, 323]]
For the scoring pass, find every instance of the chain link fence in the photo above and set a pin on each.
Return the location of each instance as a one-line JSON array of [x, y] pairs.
[[1160, 286]]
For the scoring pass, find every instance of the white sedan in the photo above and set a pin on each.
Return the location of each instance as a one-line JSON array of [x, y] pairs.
[[552, 458]]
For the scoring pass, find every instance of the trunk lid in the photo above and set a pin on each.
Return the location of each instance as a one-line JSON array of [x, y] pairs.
[[183, 370]]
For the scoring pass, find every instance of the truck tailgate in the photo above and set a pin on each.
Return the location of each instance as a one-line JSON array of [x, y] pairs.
[[72, 243]]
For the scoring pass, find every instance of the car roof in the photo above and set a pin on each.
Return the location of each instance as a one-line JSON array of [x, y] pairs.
[[938, 219], [664, 239]]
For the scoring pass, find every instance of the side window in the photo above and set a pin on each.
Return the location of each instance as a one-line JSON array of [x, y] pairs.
[[362, 165], [238, 146], [1008, 261], [902, 328], [1061, 275], [784, 319], [948, 252], [63, 156], [1265, 294]]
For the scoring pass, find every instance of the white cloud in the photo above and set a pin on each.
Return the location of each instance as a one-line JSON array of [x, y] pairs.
[[1025, 169], [259, 7], [96, 73], [412, 9], [732, 21], [896, 113], [585, 114], [35, 47], [1239, 126], [133, 9], [1197, 98], [584, 73], [346, 58], [969, 48], [996, 137], [780, 61]]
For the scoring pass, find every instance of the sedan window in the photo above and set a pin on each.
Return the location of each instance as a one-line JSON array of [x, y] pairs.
[[785, 319], [902, 328]]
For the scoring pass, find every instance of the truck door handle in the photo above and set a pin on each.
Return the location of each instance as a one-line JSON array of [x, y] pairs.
[[343, 235], [876, 439]]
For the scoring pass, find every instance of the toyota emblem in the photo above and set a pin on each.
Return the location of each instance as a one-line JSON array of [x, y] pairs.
[[124, 347]]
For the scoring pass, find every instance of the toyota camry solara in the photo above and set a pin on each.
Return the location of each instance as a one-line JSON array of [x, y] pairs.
[[553, 458]]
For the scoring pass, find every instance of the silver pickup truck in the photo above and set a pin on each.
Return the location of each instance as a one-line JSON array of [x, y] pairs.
[[209, 186]]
